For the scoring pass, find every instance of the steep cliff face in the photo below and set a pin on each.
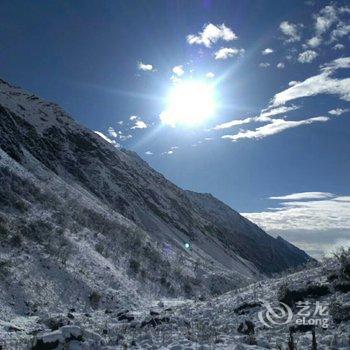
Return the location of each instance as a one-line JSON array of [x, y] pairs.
[[121, 210]]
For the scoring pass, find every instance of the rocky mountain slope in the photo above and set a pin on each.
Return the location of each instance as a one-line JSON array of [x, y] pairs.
[[85, 224], [232, 321]]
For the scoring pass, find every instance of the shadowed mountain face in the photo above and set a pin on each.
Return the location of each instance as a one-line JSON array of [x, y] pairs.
[[47, 151]]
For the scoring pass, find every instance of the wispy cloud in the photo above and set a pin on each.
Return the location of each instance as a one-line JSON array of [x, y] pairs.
[[124, 137], [280, 65], [264, 116], [146, 67], [307, 56], [276, 126], [270, 112], [322, 83], [342, 30], [264, 64], [304, 196], [149, 153], [338, 111], [211, 34], [210, 75], [290, 31], [328, 212], [226, 52], [233, 123], [331, 16], [315, 221], [324, 20], [338, 47]]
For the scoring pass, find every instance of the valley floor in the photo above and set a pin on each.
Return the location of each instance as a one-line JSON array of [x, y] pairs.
[[229, 321]]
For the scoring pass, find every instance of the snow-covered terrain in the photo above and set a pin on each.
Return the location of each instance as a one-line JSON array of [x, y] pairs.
[[215, 323], [89, 227]]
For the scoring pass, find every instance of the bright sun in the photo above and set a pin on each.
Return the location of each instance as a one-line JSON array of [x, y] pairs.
[[189, 103]]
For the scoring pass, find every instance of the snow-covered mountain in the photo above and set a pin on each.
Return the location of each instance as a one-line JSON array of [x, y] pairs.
[[79, 215]]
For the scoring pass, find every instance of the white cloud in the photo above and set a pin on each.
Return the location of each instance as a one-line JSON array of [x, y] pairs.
[[293, 82], [145, 67], [210, 75], [149, 153], [319, 214], [211, 34], [121, 122], [322, 83], [267, 113], [178, 70], [124, 137], [264, 116], [303, 196], [344, 9], [342, 30], [264, 64], [314, 224], [267, 51], [291, 31], [226, 52], [324, 20], [139, 124], [233, 123], [338, 111], [307, 56], [274, 127], [112, 132], [168, 152], [314, 41], [133, 117], [338, 47], [280, 65]]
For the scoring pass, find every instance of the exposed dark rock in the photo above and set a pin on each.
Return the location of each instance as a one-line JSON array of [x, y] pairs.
[[340, 312], [40, 345], [56, 322], [301, 328], [247, 327], [291, 297], [343, 287], [122, 313], [154, 313], [244, 308]]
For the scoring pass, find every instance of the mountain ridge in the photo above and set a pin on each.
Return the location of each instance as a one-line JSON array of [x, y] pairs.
[[219, 249]]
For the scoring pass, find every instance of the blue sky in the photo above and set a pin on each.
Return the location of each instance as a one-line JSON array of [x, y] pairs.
[[279, 71]]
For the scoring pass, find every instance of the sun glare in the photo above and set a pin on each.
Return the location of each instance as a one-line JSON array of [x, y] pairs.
[[189, 103]]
